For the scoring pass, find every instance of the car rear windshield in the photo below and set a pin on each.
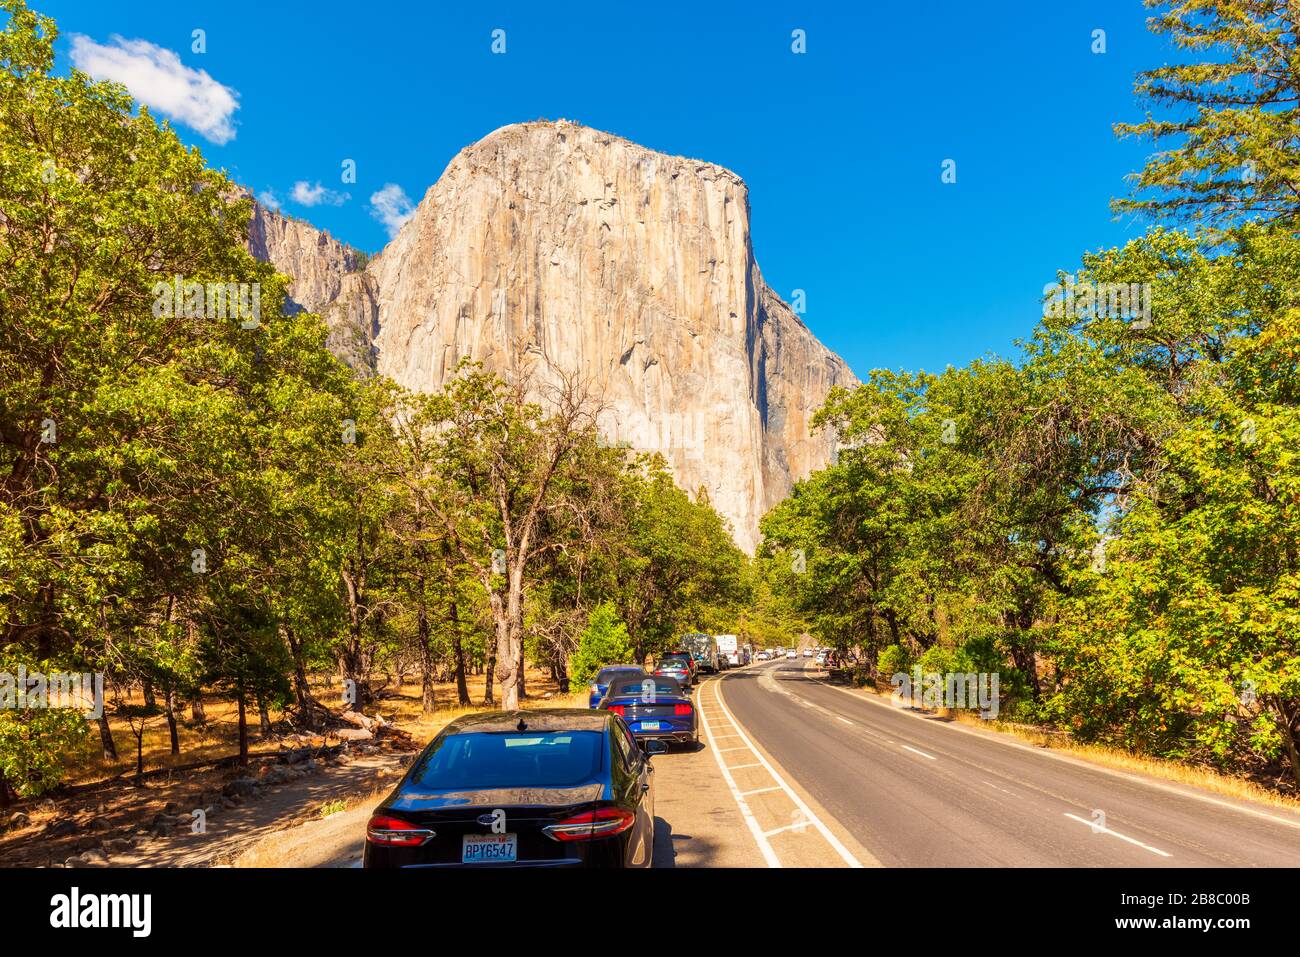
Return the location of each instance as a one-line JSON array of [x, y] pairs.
[[513, 759], [662, 689], [607, 673]]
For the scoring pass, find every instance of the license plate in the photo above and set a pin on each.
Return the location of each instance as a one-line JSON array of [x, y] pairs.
[[488, 848], [649, 725]]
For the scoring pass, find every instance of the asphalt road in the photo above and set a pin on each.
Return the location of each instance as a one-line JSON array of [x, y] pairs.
[[904, 789]]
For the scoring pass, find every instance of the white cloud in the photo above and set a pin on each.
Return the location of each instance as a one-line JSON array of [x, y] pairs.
[[156, 77], [309, 195], [392, 207], [268, 199]]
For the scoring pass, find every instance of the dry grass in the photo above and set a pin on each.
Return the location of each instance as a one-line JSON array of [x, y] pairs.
[[1112, 757], [311, 843], [218, 736]]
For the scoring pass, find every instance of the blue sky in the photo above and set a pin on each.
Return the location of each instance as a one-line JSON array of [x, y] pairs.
[[842, 146]]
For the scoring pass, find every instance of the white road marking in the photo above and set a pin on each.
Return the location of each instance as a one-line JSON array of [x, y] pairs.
[[741, 767], [1002, 739], [741, 748], [810, 817], [760, 790], [764, 846], [1099, 829], [908, 747], [845, 720], [800, 825]]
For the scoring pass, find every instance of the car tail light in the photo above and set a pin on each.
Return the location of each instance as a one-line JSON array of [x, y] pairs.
[[394, 832], [603, 822], [681, 709], [617, 709]]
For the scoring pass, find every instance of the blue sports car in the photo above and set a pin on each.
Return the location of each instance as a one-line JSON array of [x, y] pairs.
[[600, 683], [655, 709]]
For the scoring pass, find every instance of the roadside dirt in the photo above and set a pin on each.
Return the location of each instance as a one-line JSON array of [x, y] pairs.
[[156, 824]]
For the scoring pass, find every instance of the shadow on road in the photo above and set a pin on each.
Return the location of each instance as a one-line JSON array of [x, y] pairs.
[[665, 854], [674, 849]]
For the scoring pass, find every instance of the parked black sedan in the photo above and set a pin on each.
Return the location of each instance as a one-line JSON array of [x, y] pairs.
[[552, 787]]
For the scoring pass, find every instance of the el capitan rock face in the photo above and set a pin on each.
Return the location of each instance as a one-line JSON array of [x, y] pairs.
[[556, 243]]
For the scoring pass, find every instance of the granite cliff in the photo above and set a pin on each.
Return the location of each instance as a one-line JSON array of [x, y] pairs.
[[557, 245]]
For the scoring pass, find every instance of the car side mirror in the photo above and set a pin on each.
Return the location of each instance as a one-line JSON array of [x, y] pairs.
[[654, 747]]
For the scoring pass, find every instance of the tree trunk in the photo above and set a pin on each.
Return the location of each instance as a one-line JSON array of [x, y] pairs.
[[169, 700], [462, 689], [150, 700], [106, 738], [139, 753], [301, 689], [1285, 725], [428, 700], [196, 708], [508, 618], [263, 716], [5, 799], [489, 673], [352, 664], [559, 674], [243, 729], [44, 643]]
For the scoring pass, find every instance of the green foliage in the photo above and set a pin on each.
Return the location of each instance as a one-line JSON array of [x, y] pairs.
[[33, 741], [1229, 146], [1111, 524], [891, 661], [603, 642], [161, 467], [674, 568]]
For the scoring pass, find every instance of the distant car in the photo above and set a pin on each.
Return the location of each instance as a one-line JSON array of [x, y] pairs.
[[820, 659], [792, 653], [674, 668], [654, 708], [546, 788], [807, 652], [723, 663], [689, 659], [603, 678]]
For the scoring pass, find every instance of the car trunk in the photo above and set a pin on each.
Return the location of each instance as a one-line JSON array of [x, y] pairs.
[[455, 815], [635, 711]]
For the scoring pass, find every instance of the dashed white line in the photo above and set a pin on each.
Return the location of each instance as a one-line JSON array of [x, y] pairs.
[[1003, 740], [1099, 829], [908, 747]]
